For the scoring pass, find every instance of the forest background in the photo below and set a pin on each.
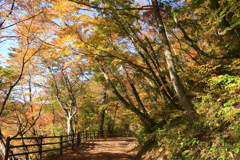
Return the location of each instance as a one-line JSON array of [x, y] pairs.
[[167, 70]]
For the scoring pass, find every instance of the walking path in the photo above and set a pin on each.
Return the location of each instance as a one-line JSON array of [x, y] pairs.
[[119, 148]]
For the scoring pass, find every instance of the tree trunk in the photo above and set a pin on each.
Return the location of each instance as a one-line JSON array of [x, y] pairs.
[[69, 128], [149, 124], [2, 148], [178, 87], [102, 115]]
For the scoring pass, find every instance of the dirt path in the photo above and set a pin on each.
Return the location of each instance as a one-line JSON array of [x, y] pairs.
[[120, 148]]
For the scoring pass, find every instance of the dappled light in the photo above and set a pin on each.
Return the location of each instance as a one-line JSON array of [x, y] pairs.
[[167, 71]]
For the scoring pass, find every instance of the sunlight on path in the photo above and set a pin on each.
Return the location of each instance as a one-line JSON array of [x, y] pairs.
[[120, 148]]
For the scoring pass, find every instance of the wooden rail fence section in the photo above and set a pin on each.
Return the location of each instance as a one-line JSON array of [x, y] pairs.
[[39, 145]]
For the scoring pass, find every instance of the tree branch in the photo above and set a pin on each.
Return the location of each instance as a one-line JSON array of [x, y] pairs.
[[147, 7], [231, 54]]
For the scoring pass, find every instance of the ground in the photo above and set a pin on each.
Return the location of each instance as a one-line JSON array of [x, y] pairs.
[[119, 148]]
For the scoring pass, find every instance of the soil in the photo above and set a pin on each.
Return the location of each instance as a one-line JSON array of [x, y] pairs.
[[119, 148]]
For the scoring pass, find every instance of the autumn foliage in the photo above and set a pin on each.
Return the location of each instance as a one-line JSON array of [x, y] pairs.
[[167, 70]]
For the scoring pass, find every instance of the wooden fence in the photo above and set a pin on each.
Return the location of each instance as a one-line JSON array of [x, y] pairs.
[[42, 144]]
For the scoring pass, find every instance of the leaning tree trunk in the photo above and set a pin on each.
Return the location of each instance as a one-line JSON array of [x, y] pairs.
[[149, 124], [178, 86]]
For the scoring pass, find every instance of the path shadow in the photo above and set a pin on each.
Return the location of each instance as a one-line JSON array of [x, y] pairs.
[[80, 155], [86, 145], [128, 139], [87, 150]]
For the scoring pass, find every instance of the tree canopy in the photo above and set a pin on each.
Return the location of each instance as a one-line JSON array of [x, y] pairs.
[[166, 69]]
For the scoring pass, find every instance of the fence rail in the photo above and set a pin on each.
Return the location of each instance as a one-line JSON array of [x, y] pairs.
[[41, 144]]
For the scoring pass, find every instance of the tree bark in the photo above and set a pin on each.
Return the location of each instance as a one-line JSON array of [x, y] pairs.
[[149, 124], [178, 87], [69, 126], [102, 115]]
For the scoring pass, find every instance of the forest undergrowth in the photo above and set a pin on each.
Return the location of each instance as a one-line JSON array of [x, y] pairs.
[[166, 69], [214, 136]]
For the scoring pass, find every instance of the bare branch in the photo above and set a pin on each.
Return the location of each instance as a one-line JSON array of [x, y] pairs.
[[147, 7], [231, 54], [1, 28], [12, 7]]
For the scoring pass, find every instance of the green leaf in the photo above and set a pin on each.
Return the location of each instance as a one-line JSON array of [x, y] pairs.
[[185, 152], [237, 149]]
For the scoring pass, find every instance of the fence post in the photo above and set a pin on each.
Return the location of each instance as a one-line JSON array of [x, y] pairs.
[[27, 156], [129, 133], [61, 144], [78, 138], [73, 135], [86, 135], [40, 146], [7, 148], [82, 136]]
